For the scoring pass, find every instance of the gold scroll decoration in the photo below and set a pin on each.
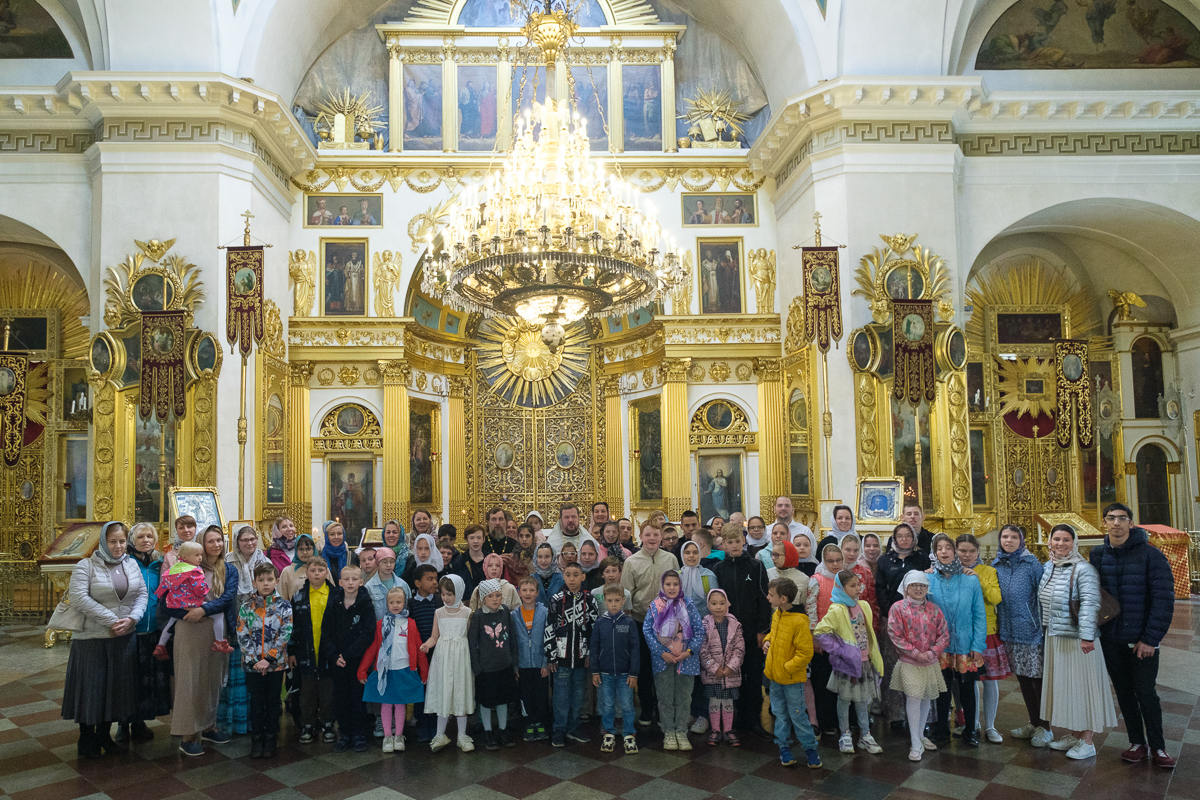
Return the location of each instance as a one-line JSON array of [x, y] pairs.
[[823, 305], [163, 371], [13, 370], [912, 340], [1071, 369], [244, 293]]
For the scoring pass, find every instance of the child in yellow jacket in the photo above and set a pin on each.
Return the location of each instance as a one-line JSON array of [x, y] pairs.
[[789, 648], [847, 634]]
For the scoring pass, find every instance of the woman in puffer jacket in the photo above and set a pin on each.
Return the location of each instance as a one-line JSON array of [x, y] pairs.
[[1075, 690], [1019, 625]]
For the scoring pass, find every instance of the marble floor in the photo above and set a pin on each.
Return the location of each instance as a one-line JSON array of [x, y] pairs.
[[38, 762]]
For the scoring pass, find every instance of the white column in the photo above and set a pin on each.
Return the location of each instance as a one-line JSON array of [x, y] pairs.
[[395, 96], [668, 94], [449, 99], [616, 104]]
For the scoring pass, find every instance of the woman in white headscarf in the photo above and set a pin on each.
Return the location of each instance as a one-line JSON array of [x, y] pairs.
[[108, 590], [843, 525], [424, 551]]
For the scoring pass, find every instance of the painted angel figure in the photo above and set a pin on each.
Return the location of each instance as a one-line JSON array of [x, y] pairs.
[[762, 272], [302, 268]]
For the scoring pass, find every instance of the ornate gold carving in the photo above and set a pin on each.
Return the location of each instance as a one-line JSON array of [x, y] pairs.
[[720, 416], [647, 378], [368, 437], [349, 375], [458, 385], [325, 376], [868, 436], [696, 373], [424, 226], [422, 381], [387, 274], [677, 369], [154, 249], [1026, 386], [204, 427], [395, 373], [723, 330], [719, 371], [762, 272], [882, 274], [960, 456], [180, 284], [329, 332], [768, 369], [300, 372], [105, 420], [743, 371], [302, 269], [518, 366], [795, 340], [681, 293], [272, 342], [1124, 302]]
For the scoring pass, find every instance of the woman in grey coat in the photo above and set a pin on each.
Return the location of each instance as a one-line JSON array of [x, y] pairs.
[[1075, 690], [100, 689]]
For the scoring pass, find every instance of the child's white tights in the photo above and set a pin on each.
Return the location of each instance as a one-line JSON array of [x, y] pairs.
[[462, 725], [918, 711], [485, 716]]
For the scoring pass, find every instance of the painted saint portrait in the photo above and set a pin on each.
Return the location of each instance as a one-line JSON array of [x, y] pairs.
[[649, 433], [860, 347], [344, 284], [904, 283], [1028, 328], [720, 276], [719, 481], [420, 455], [719, 416], [363, 210], [641, 100], [564, 455], [820, 280], [244, 281], [163, 340], [152, 292], [879, 500], [422, 97], [8, 381], [913, 327], [101, 356], [477, 120], [1072, 367], [350, 420], [352, 494], [504, 455]]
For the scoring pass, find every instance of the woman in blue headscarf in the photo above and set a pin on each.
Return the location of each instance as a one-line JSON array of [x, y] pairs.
[[335, 552]]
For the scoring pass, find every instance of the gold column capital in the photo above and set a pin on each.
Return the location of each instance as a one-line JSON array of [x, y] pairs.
[[610, 385], [395, 373], [459, 385], [768, 370], [676, 369], [394, 49], [300, 372]]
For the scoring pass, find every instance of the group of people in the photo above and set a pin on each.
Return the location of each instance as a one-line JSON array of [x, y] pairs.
[[718, 628]]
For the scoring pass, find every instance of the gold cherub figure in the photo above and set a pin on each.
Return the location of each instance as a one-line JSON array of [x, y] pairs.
[[1124, 302], [154, 249], [900, 243]]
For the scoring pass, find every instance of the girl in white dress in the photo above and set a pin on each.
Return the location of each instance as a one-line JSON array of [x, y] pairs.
[[450, 691]]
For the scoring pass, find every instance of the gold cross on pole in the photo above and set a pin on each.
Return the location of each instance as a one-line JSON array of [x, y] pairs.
[[817, 219], [246, 233]]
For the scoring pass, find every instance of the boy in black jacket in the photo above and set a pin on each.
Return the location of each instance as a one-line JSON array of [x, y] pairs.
[[744, 579], [347, 630], [308, 617], [615, 659]]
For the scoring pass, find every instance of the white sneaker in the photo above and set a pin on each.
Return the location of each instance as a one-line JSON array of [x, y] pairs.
[[439, 741], [388, 745], [669, 742], [1026, 731], [465, 743], [928, 745], [915, 755], [682, 742], [700, 726], [1081, 751], [1065, 743], [994, 736], [846, 744], [867, 742], [959, 730], [398, 744], [1042, 737]]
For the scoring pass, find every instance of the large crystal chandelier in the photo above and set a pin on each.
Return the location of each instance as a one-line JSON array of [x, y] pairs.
[[549, 238]]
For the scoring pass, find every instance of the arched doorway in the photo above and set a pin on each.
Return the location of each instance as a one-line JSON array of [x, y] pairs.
[[1153, 486]]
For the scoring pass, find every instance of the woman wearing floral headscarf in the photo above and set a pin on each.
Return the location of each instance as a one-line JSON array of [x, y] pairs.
[[674, 632], [283, 544], [960, 597], [108, 590]]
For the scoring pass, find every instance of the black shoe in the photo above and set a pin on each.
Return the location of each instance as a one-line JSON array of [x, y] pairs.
[[256, 746], [508, 739], [327, 735], [122, 735], [490, 740], [939, 735], [89, 745], [761, 732], [106, 741], [270, 747], [140, 732], [343, 744], [971, 738]]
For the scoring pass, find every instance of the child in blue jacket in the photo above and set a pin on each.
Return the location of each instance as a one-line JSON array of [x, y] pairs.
[[533, 674], [615, 660]]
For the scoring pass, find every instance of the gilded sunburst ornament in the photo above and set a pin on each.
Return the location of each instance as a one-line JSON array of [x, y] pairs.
[[1026, 386], [520, 368]]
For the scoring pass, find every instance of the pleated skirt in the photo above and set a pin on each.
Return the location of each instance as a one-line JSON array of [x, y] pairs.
[[101, 683], [1076, 694]]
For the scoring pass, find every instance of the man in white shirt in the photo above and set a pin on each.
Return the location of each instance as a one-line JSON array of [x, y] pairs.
[[783, 513], [568, 529]]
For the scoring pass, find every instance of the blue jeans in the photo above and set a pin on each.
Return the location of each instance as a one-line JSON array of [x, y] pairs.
[[568, 698], [614, 689], [787, 704]]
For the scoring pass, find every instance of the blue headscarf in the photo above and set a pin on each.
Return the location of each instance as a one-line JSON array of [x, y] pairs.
[[335, 557], [296, 562], [839, 594], [1015, 555]]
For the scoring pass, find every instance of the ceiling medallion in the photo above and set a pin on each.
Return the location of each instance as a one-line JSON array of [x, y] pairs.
[[547, 238]]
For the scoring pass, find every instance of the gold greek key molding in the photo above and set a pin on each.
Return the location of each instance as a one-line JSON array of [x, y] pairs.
[[1080, 144], [46, 141]]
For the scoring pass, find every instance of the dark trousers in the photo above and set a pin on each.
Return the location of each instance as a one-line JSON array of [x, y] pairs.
[[1031, 693], [826, 701], [348, 703], [535, 694], [748, 706], [265, 707], [646, 694], [316, 699], [1133, 680], [966, 695]]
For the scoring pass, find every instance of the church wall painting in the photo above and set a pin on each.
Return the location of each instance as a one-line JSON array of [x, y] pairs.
[[641, 87], [352, 494], [420, 462], [344, 277], [719, 208], [591, 93], [423, 107], [500, 14], [1090, 34], [719, 484], [359, 210], [28, 31], [720, 276], [477, 116]]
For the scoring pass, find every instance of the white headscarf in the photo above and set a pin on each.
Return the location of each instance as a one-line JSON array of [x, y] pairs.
[[245, 566], [460, 588], [837, 532], [690, 579], [813, 555], [435, 556], [911, 577]]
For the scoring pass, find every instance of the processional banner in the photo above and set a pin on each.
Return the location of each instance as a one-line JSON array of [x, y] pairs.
[[912, 344], [1071, 373], [163, 375], [822, 301], [244, 297]]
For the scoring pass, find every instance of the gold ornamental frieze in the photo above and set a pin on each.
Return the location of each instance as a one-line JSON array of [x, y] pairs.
[[349, 427]]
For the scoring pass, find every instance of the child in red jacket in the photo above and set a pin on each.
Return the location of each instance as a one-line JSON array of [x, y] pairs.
[[394, 669]]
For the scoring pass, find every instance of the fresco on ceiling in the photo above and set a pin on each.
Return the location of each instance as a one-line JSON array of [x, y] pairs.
[[28, 31], [499, 14], [1090, 34]]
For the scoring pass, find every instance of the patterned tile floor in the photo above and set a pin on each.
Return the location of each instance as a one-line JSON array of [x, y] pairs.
[[37, 758]]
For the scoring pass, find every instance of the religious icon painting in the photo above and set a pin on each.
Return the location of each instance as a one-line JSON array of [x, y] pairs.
[[348, 210], [591, 99], [422, 100], [203, 503], [719, 484], [717, 208], [152, 292], [880, 500], [344, 278], [476, 104], [352, 494], [350, 420], [421, 433], [720, 276], [641, 101]]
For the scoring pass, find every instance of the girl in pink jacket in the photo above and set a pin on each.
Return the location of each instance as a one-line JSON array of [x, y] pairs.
[[721, 658], [918, 629]]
